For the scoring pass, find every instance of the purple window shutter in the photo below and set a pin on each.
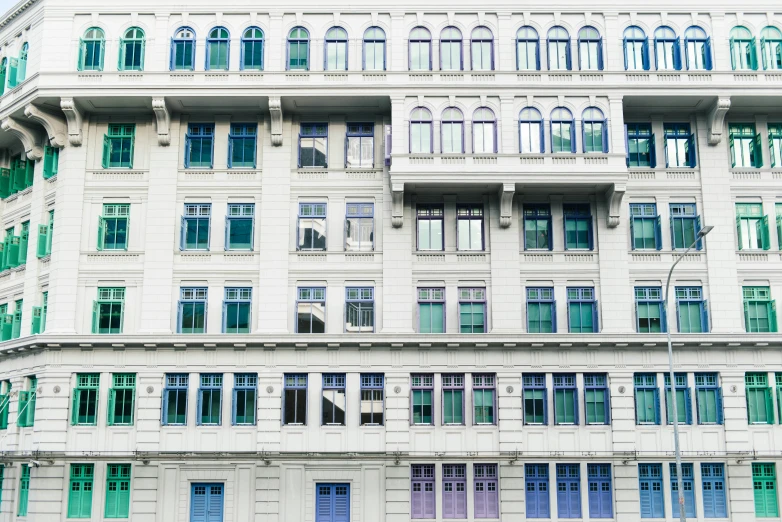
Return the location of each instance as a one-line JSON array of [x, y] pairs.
[[532, 499], [429, 500], [460, 499], [449, 509], [492, 499], [417, 501], [479, 499]]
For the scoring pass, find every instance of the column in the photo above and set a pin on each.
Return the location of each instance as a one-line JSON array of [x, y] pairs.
[[506, 296]]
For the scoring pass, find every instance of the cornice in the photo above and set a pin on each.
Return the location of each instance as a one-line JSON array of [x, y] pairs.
[[15, 11]]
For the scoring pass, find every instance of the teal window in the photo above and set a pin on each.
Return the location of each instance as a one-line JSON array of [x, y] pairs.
[[685, 225], [647, 399], [199, 145], [252, 49], [764, 485], [117, 491], [122, 399], [3, 74], [760, 311], [16, 329], [5, 400], [336, 49], [430, 227], [483, 393], [298, 49], [80, 491], [217, 44], [640, 145], [708, 396], [175, 400], [195, 226], [245, 398], [237, 310], [45, 232], [210, 400], [131, 50], [39, 315], [537, 227], [25, 417], [242, 142], [24, 491], [431, 310], [472, 310], [21, 68], [692, 314], [51, 161], [192, 310], [85, 400], [18, 177], [679, 145], [582, 310], [760, 402], [594, 130], [534, 398], [183, 50], [563, 131], [239, 226], [649, 312], [771, 48], [359, 309], [118, 146], [645, 227], [743, 55], [745, 146], [113, 227], [752, 227], [453, 399], [423, 390], [541, 310], [565, 399], [775, 144], [92, 48], [24, 239], [578, 227], [596, 398], [683, 399], [108, 311]]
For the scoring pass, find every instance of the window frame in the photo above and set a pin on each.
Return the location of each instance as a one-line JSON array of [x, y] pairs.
[[683, 386], [209, 384], [487, 384], [447, 41], [122, 384], [651, 475], [591, 118], [336, 37], [296, 382], [647, 383], [241, 134], [568, 483], [695, 37], [450, 119], [483, 118], [665, 39], [688, 494], [81, 486], [87, 49], [372, 384], [589, 44], [526, 39], [176, 383], [634, 133], [301, 38], [541, 296], [115, 213], [198, 212], [85, 399], [311, 296], [577, 213], [713, 475], [316, 132], [536, 483], [239, 212], [423, 385], [455, 487], [118, 476], [135, 37], [759, 296], [361, 132], [453, 384], [473, 296], [111, 297], [534, 384], [431, 296], [421, 118], [428, 213], [334, 383], [252, 40], [597, 383], [124, 135], [314, 212], [181, 39], [743, 51], [238, 295], [481, 40], [757, 382], [422, 37], [684, 213], [373, 41], [202, 134], [537, 214], [708, 383], [643, 212], [558, 35], [580, 296], [649, 297], [469, 213], [564, 384], [691, 295], [749, 141], [527, 118], [358, 298]]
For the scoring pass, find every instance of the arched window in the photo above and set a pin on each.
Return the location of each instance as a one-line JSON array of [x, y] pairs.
[[252, 49], [482, 49], [484, 131], [183, 50], [527, 49], [531, 131], [452, 131], [667, 52], [636, 48], [3, 70], [451, 49], [374, 49], [91, 48], [298, 49], [771, 48], [590, 49], [217, 49], [131, 50], [742, 49], [420, 45], [563, 133], [421, 131], [336, 58], [594, 130], [697, 49], [558, 49]]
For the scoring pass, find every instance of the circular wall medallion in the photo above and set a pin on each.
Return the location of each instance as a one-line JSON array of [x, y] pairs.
[[269, 389], [621, 389], [397, 389], [57, 389], [733, 389], [150, 389], [509, 389]]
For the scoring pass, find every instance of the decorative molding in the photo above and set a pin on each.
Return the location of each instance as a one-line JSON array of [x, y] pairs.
[[397, 205], [275, 112], [614, 197], [717, 119], [506, 204], [75, 121], [31, 140], [54, 124], [163, 121]]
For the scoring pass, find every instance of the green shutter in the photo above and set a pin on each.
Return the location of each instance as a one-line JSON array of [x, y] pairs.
[[732, 149], [13, 65], [29, 173], [133, 140], [80, 63], [75, 407], [102, 53], [112, 396], [757, 147], [753, 55], [738, 231], [772, 318], [121, 61], [106, 151], [50, 160], [43, 240], [101, 232], [95, 308], [764, 233], [732, 53], [5, 183], [770, 405], [36, 327]]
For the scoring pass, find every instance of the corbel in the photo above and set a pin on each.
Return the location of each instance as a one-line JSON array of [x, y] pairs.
[[397, 204], [55, 125], [29, 136], [275, 113], [163, 121], [614, 197], [506, 204], [717, 119], [74, 118]]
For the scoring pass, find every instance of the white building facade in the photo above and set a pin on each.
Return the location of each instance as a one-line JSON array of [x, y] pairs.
[[381, 263]]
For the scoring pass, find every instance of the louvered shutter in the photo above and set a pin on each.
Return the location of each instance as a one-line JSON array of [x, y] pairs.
[[624, 51], [215, 508], [574, 499], [198, 504], [492, 500], [563, 501], [460, 500], [479, 499], [429, 500], [112, 492], [449, 503], [417, 500]]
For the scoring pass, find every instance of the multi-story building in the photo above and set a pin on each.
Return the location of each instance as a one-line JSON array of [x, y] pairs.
[[368, 263]]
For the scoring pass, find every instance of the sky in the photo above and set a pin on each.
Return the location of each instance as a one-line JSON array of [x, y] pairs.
[[5, 5]]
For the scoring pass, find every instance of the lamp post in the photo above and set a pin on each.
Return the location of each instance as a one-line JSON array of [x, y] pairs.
[[682, 516]]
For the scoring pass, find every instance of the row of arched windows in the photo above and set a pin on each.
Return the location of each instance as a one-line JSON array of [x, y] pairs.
[[667, 49], [594, 131]]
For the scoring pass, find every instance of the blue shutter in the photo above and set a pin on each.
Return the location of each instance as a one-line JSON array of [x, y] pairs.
[[553, 317], [544, 509], [568, 59], [646, 498], [164, 409], [653, 152], [656, 65], [719, 406], [663, 318], [341, 504], [572, 128], [574, 498], [595, 318], [691, 148], [171, 58], [658, 234], [678, 318], [563, 500], [658, 507], [627, 143], [705, 316], [677, 54], [233, 407], [673, 237], [687, 53], [600, 54], [537, 54], [645, 55], [182, 233], [657, 406], [575, 407], [624, 51], [583, 137], [707, 52], [699, 243], [632, 233], [542, 137], [595, 507], [551, 232], [590, 234], [198, 503], [606, 500], [688, 405], [545, 406], [198, 406], [215, 508]]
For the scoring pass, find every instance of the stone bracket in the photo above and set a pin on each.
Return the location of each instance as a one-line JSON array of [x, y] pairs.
[[54, 124], [163, 121], [74, 118], [717, 119], [506, 204], [614, 197], [29, 136], [275, 111], [397, 204]]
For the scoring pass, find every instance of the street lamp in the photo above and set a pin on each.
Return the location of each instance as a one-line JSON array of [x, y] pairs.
[[682, 516]]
